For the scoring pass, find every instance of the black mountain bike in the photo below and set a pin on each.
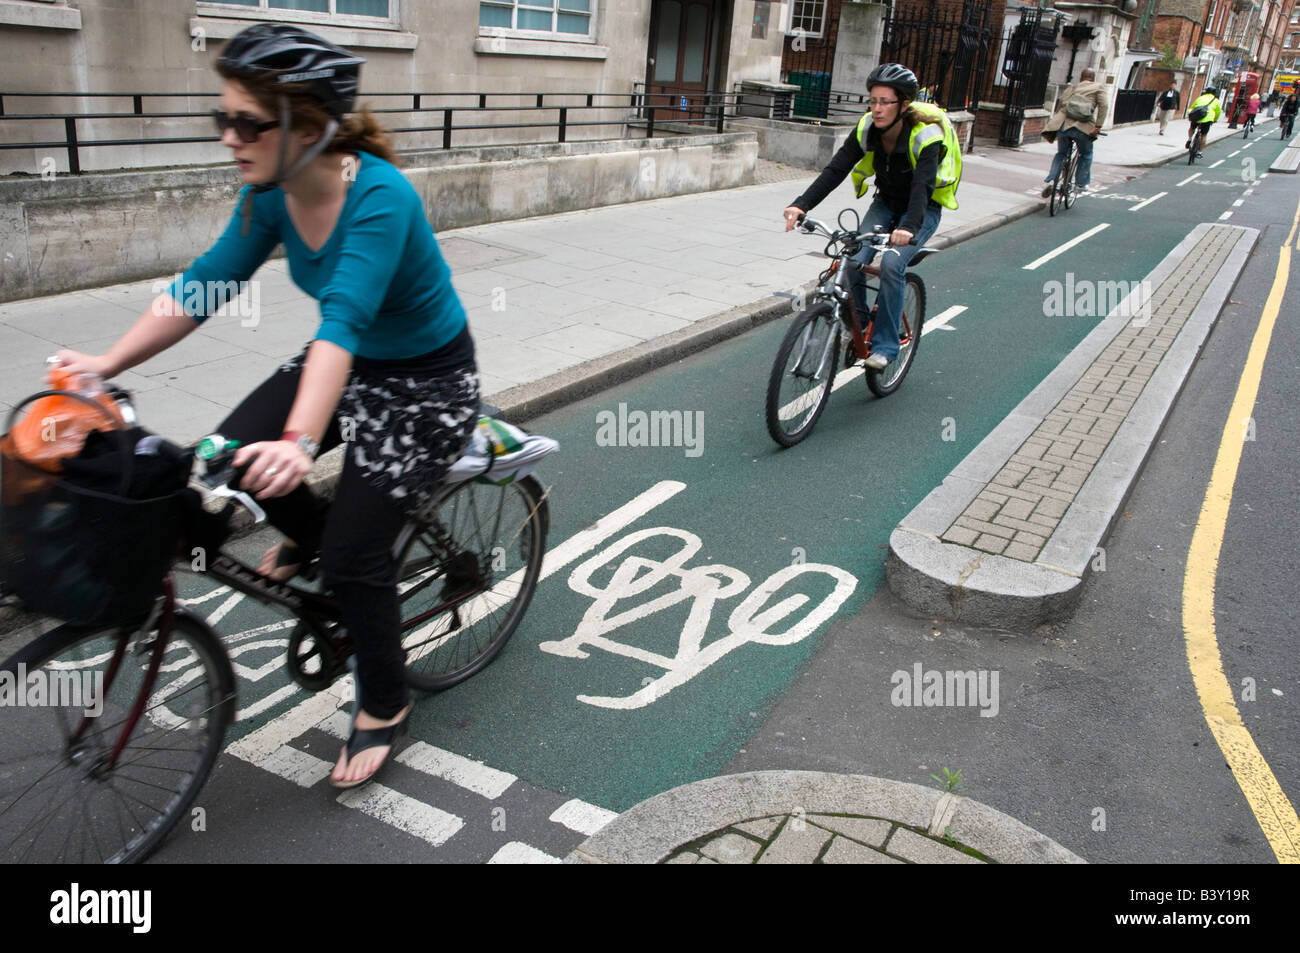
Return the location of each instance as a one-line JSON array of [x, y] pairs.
[[103, 775]]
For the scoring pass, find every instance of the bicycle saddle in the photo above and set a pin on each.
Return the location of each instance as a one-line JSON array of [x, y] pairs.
[[924, 253]]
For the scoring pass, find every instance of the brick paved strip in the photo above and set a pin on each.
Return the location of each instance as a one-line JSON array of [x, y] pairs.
[[1051, 452], [1077, 442]]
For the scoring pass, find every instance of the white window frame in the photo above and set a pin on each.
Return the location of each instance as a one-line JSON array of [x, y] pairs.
[[820, 32], [242, 11], [552, 35]]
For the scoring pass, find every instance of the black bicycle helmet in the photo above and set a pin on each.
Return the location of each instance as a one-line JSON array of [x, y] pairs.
[[1212, 90], [896, 76], [292, 55]]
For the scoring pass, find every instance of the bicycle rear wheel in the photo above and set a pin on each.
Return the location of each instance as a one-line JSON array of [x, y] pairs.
[[802, 374], [467, 577], [887, 380], [1059, 186], [1071, 169], [64, 798]]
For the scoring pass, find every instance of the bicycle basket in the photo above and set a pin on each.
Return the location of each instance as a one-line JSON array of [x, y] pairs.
[[92, 545]]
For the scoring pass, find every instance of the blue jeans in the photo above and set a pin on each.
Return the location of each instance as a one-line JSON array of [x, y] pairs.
[[893, 271], [1082, 174]]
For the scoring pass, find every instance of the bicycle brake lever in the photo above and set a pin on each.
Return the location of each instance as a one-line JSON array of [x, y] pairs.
[[259, 514]]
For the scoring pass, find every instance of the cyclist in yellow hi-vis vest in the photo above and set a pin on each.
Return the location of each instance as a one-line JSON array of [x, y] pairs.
[[912, 150]]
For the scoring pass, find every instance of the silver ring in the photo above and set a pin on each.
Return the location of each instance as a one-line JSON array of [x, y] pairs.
[[272, 471]]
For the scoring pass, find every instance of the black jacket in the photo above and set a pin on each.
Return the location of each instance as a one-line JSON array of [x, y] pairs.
[[907, 193], [1170, 100]]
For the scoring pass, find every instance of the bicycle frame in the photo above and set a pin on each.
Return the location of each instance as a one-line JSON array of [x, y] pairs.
[[835, 289]]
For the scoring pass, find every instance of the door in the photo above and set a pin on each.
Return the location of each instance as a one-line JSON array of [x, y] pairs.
[[678, 64]]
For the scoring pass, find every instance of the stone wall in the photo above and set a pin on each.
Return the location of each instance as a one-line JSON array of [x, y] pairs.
[[73, 232]]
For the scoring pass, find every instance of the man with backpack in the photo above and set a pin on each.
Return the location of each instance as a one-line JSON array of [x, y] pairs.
[[1079, 116], [1203, 114]]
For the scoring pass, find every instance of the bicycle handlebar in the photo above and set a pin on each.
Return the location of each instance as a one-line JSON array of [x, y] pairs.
[[878, 239]]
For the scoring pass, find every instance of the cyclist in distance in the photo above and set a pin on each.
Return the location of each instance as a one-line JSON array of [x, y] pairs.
[[391, 367], [912, 150], [1203, 114]]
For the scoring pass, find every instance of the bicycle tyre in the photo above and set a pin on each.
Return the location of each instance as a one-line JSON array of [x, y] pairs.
[[1072, 165], [499, 533], [888, 379], [792, 411], [1055, 195], [1196, 144], [57, 802]]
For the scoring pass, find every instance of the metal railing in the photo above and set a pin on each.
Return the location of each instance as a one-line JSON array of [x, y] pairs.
[[565, 110], [666, 104]]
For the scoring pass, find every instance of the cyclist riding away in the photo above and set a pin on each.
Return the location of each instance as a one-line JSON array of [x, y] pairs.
[[1079, 116], [392, 360], [912, 150], [1203, 114]]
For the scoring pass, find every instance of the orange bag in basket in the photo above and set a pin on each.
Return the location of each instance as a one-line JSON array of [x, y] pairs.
[[55, 427]]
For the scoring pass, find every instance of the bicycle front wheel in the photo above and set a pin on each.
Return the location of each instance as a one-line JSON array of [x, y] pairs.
[[802, 374], [72, 788], [887, 380], [467, 577]]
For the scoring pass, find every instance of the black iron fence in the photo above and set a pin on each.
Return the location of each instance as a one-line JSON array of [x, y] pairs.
[[950, 52], [664, 104], [557, 112], [1029, 48]]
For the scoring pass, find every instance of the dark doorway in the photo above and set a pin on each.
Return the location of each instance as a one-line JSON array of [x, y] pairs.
[[683, 46]]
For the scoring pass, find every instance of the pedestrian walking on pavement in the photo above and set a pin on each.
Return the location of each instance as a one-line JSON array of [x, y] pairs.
[[392, 355], [1079, 116], [1168, 105]]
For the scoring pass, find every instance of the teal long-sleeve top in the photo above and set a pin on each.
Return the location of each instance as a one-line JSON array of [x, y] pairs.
[[384, 288]]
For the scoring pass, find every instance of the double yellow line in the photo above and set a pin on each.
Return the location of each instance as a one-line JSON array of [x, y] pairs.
[[1274, 812]]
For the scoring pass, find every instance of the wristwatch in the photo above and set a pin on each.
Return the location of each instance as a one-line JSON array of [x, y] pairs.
[[302, 441]]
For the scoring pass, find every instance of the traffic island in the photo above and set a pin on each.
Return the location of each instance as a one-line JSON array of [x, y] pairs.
[[813, 817], [1011, 534]]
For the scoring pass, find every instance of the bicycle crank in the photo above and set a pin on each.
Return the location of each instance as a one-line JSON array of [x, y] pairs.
[[316, 660]]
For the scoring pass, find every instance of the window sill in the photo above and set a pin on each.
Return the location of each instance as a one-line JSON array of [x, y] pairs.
[[510, 46], [41, 17], [219, 28]]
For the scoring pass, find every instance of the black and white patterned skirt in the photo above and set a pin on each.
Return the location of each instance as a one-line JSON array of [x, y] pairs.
[[405, 429]]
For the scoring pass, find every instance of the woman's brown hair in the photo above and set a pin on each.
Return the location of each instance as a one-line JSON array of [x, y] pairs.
[[359, 132]]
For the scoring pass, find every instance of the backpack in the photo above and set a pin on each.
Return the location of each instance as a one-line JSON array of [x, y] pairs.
[[1080, 107], [1199, 113]]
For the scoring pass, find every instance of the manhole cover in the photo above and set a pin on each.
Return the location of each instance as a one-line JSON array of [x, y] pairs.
[[466, 254]]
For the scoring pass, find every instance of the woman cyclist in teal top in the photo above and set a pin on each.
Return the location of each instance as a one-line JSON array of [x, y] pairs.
[[391, 367]]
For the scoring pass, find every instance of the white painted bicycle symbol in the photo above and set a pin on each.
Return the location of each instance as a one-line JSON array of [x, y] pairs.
[[755, 620]]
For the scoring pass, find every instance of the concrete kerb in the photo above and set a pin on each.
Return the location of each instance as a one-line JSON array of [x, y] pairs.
[[945, 579], [653, 829]]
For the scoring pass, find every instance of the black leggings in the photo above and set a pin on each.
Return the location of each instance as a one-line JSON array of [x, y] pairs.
[[354, 537]]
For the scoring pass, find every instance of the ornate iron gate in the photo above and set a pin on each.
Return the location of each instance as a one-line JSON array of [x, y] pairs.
[[949, 52], [1028, 62]]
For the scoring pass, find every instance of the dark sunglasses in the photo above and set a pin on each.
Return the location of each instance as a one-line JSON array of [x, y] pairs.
[[246, 128]]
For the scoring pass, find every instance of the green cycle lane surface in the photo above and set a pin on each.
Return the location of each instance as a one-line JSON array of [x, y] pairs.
[[650, 658]]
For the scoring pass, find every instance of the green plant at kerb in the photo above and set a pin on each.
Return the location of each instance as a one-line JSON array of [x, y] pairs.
[[950, 779]]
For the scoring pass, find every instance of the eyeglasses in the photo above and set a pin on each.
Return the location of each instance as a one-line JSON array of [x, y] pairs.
[[881, 102], [247, 128]]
